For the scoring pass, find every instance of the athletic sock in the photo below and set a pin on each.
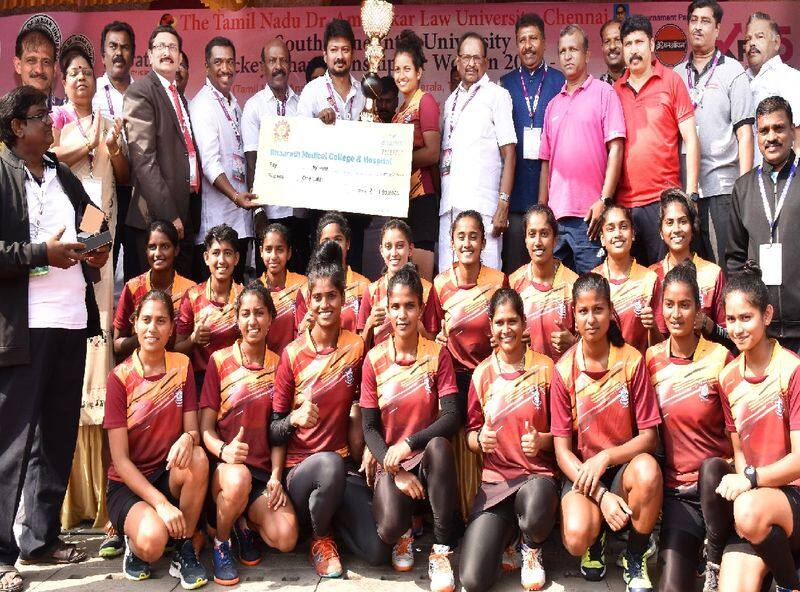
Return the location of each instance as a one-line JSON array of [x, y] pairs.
[[776, 553], [637, 542]]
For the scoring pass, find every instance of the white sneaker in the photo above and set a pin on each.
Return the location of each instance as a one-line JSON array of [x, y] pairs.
[[440, 572], [533, 577], [511, 558], [403, 553]]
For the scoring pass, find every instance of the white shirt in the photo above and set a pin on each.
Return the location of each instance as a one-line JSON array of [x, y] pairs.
[[221, 151], [107, 98], [482, 124], [265, 104], [57, 299], [183, 113], [775, 79], [320, 94]]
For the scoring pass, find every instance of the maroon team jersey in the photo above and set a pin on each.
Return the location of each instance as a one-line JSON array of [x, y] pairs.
[[329, 379], [465, 311], [197, 307], [242, 397], [151, 408], [763, 410], [629, 297], [406, 394], [511, 404], [545, 306], [601, 409], [377, 291], [355, 284], [711, 281], [283, 329], [689, 396]]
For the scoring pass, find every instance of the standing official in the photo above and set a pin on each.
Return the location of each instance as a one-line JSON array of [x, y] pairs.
[[478, 153], [531, 87], [764, 217], [612, 51], [658, 113], [218, 129], [769, 76], [118, 46], [276, 99], [35, 53], [165, 164], [586, 113], [720, 94]]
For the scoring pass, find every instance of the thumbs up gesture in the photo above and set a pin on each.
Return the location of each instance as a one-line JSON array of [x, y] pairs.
[[646, 316], [562, 338], [236, 450], [531, 441], [487, 438], [441, 337], [202, 333], [305, 416]]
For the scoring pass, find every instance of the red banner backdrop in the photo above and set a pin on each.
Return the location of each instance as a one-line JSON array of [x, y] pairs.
[[439, 25]]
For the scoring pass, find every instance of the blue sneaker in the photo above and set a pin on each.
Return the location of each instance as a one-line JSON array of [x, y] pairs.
[[225, 573], [187, 567], [246, 545], [134, 568], [635, 573]]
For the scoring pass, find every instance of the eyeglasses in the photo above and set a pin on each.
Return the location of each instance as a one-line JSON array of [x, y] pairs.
[[44, 115], [468, 59], [75, 72], [171, 47]]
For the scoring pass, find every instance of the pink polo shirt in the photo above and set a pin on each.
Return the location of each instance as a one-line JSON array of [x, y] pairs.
[[577, 128]]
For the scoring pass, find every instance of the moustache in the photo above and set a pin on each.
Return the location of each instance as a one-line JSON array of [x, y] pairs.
[[773, 144], [278, 73], [118, 60], [38, 75], [339, 63]]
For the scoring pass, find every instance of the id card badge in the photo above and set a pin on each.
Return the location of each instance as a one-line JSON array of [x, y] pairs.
[[447, 159], [194, 183], [94, 189], [239, 167], [531, 141], [770, 259]]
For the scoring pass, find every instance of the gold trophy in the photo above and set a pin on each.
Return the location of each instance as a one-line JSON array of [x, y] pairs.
[[376, 18]]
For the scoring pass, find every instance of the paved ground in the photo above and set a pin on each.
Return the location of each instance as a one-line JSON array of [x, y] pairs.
[[292, 573]]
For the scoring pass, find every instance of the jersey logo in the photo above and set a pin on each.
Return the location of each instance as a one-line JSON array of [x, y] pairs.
[[179, 397], [348, 376], [704, 392], [428, 384], [638, 305], [624, 396], [537, 397], [779, 406], [356, 305], [562, 310]]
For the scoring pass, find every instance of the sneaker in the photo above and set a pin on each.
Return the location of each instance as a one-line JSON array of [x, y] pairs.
[[417, 526], [246, 545], [440, 572], [593, 562], [187, 567], [403, 553], [533, 577], [325, 558], [134, 568], [512, 560], [635, 573], [225, 573], [712, 577], [652, 551], [112, 547]]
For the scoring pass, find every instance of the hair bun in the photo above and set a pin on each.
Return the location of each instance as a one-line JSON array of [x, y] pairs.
[[688, 266], [328, 253], [750, 267]]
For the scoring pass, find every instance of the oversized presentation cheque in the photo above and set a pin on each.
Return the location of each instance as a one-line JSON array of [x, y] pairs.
[[350, 166]]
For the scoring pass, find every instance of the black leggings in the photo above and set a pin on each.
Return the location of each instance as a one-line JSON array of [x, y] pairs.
[[532, 510], [437, 473], [679, 556], [325, 492]]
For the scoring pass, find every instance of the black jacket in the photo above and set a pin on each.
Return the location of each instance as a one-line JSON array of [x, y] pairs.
[[749, 229], [18, 255]]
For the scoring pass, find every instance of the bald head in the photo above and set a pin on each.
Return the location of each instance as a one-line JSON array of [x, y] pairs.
[[276, 65]]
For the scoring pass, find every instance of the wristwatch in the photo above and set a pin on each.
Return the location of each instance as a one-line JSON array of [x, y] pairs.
[[752, 476], [503, 196], [607, 201], [695, 197]]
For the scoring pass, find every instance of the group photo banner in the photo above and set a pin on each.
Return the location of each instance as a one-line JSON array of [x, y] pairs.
[[440, 26]]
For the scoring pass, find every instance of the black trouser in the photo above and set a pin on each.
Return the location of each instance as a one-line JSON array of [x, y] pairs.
[[532, 510], [183, 260], [714, 227], [325, 491], [123, 237], [648, 246], [40, 406], [201, 272], [515, 253], [437, 473]]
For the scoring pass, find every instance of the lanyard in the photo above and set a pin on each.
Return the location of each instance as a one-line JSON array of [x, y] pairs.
[[697, 95], [773, 220], [348, 104], [281, 107], [90, 154], [108, 100], [39, 195], [532, 111], [464, 106], [234, 121]]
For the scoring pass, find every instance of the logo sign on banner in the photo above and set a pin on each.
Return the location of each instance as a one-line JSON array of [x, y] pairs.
[[440, 26], [302, 163]]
